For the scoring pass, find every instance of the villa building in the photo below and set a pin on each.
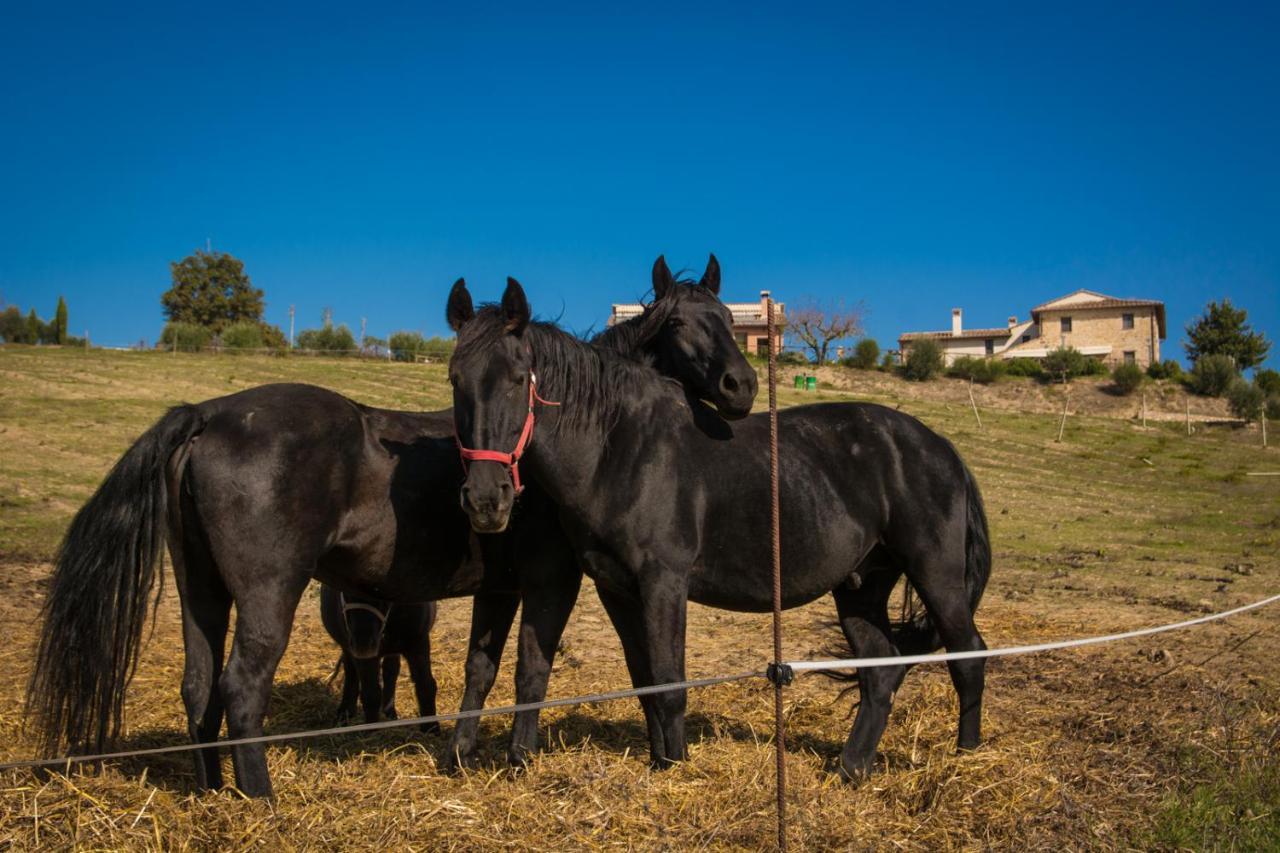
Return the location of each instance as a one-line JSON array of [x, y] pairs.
[[1114, 330]]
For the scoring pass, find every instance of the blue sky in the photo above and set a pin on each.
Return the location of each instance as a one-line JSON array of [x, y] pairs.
[[913, 156]]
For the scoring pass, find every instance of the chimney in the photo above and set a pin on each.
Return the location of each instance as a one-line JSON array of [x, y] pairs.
[[764, 297], [1013, 321], [955, 321]]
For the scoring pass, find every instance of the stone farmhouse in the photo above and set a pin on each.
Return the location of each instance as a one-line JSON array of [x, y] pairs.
[[1117, 331], [750, 323]]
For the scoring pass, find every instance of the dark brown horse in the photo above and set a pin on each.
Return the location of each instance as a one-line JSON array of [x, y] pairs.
[[666, 503]]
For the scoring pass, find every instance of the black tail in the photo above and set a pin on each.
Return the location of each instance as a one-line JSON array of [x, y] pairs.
[[97, 601], [915, 633]]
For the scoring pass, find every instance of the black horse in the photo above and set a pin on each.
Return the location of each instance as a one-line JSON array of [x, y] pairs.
[[373, 635], [666, 503], [256, 493]]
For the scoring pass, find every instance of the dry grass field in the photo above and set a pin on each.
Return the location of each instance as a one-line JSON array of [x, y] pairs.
[[1170, 743]]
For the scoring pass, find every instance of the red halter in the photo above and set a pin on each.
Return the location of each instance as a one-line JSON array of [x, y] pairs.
[[512, 459]]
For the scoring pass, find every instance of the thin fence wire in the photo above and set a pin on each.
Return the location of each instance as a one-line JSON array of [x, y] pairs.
[[797, 666]]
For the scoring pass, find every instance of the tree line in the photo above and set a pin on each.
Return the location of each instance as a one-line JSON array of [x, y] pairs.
[[15, 328], [212, 303]]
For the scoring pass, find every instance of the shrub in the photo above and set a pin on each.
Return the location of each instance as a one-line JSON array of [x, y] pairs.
[[887, 362], [405, 346], [1167, 369], [792, 357], [1212, 375], [1023, 367], [1127, 378], [1268, 381], [190, 336], [984, 370], [327, 339], [1246, 399], [1065, 363], [242, 335], [924, 361], [865, 355], [1273, 408]]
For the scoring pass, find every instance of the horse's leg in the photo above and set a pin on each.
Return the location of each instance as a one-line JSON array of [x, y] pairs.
[[424, 682], [491, 618], [368, 671], [206, 612], [665, 608], [350, 689], [390, 675], [948, 606], [864, 619], [544, 611], [626, 621], [264, 619]]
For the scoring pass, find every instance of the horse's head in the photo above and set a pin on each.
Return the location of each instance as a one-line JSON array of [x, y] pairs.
[[366, 619], [493, 396], [689, 333]]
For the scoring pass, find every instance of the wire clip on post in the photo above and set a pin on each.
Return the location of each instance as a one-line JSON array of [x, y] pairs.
[[780, 674]]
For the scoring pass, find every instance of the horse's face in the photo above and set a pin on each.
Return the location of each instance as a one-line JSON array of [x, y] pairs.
[[490, 400], [695, 343], [366, 619]]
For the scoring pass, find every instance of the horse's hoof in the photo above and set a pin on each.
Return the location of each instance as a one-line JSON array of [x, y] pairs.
[[343, 715], [854, 772], [453, 763], [389, 713]]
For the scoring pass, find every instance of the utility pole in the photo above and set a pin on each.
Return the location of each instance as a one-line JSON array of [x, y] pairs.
[[363, 322], [290, 327]]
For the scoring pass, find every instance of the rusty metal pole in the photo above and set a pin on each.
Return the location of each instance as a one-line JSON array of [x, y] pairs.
[[777, 674]]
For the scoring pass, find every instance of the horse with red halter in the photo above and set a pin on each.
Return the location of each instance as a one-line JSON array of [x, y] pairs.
[[667, 503]]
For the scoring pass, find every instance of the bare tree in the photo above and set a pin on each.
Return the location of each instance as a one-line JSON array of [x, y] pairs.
[[817, 325]]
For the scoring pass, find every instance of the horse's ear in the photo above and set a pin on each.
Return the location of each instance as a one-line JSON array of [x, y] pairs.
[[460, 310], [663, 281], [711, 278], [515, 307]]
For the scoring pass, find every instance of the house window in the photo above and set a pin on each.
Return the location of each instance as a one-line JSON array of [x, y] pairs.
[[991, 346], [1130, 357], [1026, 338], [1066, 325], [1126, 321]]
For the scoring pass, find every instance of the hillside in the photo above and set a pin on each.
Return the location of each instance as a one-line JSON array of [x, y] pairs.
[[1165, 743]]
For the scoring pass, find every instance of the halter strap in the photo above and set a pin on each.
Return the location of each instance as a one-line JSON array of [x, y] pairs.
[[510, 460], [348, 606]]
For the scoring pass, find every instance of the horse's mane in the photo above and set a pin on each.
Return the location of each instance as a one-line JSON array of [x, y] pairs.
[[590, 381], [629, 337]]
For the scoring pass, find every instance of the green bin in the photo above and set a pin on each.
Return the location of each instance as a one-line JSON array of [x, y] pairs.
[[799, 382], [811, 383]]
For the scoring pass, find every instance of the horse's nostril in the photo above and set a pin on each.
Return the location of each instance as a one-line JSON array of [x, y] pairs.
[[728, 384]]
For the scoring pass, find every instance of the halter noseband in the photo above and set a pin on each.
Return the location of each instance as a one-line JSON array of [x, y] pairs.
[[510, 460]]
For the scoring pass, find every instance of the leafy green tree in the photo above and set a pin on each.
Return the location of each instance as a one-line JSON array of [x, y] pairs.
[[865, 354], [13, 328], [211, 289], [1268, 381], [1246, 399], [924, 361], [35, 328], [60, 322], [1213, 374], [1065, 363], [1224, 330]]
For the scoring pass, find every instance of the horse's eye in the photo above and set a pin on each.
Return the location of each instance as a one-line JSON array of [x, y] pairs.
[[675, 323]]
